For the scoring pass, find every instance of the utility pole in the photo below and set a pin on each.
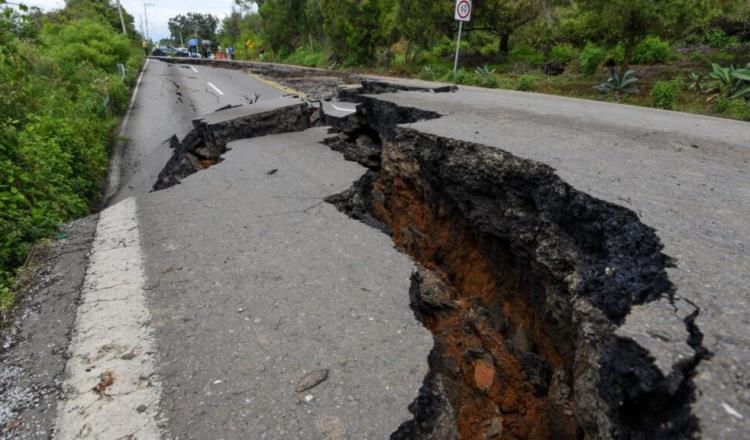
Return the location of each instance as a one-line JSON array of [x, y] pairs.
[[145, 15], [122, 20]]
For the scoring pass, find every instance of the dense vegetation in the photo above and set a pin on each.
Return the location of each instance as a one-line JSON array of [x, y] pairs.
[[663, 51], [60, 93]]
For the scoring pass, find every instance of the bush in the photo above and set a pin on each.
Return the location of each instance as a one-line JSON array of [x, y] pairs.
[[651, 50], [523, 53], [664, 94], [61, 93], [591, 58], [466, 77], [718, 39], [303, 56], [526, 83], [733, 108], [563, 53]]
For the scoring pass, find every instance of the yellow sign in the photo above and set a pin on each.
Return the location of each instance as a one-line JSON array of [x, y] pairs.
[[250, 44]]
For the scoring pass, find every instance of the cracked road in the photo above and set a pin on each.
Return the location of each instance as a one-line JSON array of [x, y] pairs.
[[199, 311]]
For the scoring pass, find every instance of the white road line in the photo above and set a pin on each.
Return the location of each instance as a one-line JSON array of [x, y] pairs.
[[115, 163], [215, 88], [112, 341], [194, 69], [341, 109]]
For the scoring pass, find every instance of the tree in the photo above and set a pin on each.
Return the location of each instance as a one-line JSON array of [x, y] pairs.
[[422, 22], [102, 10], [283, 22], [355, 28], [194, 24], [630, 21], [231, 27], [503, 17]]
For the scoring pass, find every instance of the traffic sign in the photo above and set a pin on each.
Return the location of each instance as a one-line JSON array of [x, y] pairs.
[[463, 10]]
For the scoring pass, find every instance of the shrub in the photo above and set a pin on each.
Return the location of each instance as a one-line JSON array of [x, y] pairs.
[[563, 53], [664, 94], [523, 53], [486, 76], [591, 58], [465, 77], [718, 39], [303, 56], [526, 83], [60, 93], [651, 50], [733, 108]]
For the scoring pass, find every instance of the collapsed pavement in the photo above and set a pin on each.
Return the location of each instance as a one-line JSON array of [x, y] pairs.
[[526, 283], [571, 288]]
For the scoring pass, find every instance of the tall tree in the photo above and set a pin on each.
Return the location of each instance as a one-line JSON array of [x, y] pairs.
[[100, 9], [283, 22], [503, 17], [355, 28], [422, 22], [193, 24]]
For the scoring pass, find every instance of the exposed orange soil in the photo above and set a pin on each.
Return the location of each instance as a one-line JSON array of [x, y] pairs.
[[495, 397]]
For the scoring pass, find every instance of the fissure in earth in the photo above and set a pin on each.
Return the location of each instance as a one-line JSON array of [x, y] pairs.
[[522, 280]]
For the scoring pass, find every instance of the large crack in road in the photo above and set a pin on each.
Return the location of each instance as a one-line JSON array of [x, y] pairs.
[[523, 280]]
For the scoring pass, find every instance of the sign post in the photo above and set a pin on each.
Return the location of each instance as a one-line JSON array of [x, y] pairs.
[[463, 13]]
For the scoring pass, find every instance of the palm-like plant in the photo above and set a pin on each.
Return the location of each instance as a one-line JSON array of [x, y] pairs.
[[617, 84]]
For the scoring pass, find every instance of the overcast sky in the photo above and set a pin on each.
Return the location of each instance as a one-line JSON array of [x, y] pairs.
[[157, 15]]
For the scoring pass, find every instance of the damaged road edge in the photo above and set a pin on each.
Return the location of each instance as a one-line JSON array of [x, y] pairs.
[[535, 278], [207, 142]]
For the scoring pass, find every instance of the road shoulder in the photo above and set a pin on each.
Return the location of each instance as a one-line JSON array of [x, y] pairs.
[[33, 357]]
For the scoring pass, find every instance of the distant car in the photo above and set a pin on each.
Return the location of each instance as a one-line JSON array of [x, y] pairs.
[[159, 52], [182, 52]]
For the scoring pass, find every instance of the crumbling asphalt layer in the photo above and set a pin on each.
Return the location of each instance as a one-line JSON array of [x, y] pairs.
[[666, 337], [586, 250], [599, 252], [33, 355], [207, 142]]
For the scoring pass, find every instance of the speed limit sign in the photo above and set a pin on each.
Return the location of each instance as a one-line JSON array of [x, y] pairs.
[[463, 10]]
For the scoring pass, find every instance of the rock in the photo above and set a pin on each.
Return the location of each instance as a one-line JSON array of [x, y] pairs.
[[433, 291], [553, 69], [484, 375], [312, 380], [495, 430]]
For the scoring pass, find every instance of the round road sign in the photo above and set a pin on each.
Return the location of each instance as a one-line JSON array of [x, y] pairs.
[[463, 10]]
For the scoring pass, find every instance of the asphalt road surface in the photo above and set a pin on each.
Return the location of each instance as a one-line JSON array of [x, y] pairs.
[[685, 175], [239, 304]]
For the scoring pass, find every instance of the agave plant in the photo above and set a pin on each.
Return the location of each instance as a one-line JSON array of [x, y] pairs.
[[695, 82], [617, 84], [487, 76], [742, 83], [731, 82]]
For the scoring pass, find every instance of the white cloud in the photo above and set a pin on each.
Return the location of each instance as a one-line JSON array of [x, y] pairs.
[[159, 14]]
